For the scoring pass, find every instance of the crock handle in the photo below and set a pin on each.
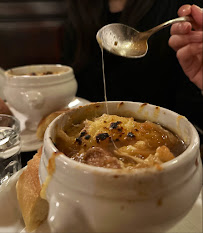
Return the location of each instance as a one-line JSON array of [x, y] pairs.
[[65, 216]]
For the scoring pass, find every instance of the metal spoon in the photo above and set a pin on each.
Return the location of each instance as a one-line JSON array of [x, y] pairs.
[[125, 41]]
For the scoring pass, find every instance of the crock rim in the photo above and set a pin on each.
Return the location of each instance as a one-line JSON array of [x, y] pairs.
[[173, 164], [8, 73]]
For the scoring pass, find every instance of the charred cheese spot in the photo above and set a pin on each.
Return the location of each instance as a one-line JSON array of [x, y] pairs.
[[101, 137], [114, 125]]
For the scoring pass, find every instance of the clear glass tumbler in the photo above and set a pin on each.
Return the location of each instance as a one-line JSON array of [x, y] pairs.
[[10, 158]]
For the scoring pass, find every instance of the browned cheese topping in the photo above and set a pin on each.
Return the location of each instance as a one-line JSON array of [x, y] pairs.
[[112, 141], [42, 73]]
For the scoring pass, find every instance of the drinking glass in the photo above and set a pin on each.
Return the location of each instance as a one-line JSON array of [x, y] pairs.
[[10, 159]]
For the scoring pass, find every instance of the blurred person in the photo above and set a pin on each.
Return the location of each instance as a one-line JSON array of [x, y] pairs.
[[156, 78], [188, 43]]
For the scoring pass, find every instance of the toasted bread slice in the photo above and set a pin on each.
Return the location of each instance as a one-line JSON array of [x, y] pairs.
[[4, 108], [34, 209], [43, 124]]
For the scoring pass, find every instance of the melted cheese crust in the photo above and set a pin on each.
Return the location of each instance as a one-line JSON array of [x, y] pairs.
[[134, 144]]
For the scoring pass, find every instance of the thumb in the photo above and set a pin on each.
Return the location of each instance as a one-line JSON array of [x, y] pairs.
[[197, 14]]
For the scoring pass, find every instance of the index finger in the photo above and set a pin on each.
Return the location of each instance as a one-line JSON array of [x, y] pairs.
[[195, 12]]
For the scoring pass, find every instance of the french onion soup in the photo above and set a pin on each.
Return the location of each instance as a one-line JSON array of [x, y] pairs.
[[112, 141]]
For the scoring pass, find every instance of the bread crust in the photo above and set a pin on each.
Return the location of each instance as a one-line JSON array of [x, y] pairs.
[[34, 209], [4, 108], [43, 124]]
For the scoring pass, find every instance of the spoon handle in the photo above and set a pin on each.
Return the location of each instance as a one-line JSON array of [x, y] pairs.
[[168, 23]]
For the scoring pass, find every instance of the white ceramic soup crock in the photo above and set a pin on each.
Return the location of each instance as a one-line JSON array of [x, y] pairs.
[[84, 198], [50, 88]]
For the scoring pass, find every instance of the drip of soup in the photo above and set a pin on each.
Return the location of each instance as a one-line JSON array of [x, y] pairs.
[[104, 80], [117, 142]]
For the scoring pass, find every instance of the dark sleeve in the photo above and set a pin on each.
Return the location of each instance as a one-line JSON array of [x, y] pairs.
[[190, 2], [69, 45]]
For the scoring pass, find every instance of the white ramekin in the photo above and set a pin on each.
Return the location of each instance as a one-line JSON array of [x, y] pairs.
[[84, 198], [36, 96]]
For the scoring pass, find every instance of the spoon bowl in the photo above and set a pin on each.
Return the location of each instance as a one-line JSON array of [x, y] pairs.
[[125, 41], [120, 39]]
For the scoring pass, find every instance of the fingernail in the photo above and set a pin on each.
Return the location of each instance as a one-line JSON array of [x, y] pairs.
[[179, 25], [184, 26], [186, 9]]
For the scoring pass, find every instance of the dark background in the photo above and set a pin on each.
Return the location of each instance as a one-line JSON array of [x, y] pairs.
[[31, 32]]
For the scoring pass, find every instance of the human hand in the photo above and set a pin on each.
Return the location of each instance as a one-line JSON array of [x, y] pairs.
[[188, 43]]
